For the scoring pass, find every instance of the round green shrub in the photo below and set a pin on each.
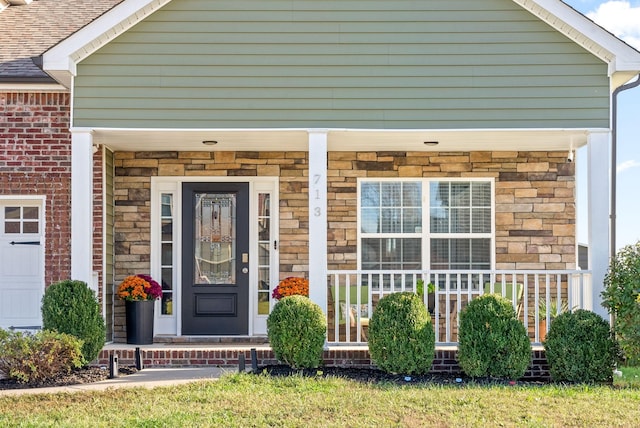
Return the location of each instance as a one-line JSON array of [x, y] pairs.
[[71, 307], [297, 329], [491, 340], [401, 337], [620, 296], [580, 348]]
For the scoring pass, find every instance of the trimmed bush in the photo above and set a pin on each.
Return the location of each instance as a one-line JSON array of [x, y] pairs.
[[297, 329], [580, 348], [71, 307], [621, 296], [29, 358], [401, 337], [491, 340]]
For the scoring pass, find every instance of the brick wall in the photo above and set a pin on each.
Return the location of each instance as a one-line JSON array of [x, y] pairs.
[[35, 159], [445, 361]]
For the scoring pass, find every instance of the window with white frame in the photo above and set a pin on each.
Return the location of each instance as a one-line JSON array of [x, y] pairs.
[[443, 224]]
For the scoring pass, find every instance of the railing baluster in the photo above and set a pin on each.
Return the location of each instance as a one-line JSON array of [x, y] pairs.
[[575, 286]]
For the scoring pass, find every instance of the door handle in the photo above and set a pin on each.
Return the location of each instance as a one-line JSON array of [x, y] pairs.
[[25, 243], [245, 270]]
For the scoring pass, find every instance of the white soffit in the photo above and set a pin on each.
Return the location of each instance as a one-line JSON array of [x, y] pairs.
[[339, 139]]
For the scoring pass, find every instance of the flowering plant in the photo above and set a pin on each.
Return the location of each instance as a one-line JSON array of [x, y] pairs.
[[291, 286], [139, 287]]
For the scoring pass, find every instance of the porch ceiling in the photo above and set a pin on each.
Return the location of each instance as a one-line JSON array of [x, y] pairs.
[[340, 139]]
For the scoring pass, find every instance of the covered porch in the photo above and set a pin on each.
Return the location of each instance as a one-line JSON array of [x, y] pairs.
[[537, 297]]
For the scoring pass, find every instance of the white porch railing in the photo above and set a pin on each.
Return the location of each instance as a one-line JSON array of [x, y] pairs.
[[537, 297]]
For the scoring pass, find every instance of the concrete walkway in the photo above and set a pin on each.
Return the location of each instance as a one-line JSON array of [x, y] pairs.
[[146, 378]]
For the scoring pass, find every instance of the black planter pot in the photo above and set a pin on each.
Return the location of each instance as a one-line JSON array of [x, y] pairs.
[[139, 322]]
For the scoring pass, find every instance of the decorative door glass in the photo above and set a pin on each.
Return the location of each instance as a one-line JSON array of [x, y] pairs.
[[215, 238]]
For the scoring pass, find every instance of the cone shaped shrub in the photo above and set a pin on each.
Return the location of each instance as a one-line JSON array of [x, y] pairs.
[[71, 307], [581, 348], [492, 341], [401, 337], [297, 329]]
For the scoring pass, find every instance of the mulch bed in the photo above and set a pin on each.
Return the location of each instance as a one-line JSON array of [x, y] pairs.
[[377, 376], [75, 377]]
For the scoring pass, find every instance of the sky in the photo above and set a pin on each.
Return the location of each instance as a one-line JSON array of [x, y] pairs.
[[621, 18]]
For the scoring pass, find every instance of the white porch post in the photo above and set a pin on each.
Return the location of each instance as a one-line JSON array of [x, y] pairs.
[[598, 223], [318, 218], [82, 206]]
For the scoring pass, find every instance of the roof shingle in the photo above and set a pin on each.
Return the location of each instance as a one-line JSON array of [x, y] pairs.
[[30, 30]]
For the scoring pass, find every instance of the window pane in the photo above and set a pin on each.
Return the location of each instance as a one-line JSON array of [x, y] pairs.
[[167, 254], [30, 227], [481, 194], [439, 220], [12, 227], [391, 220], [263, 303], [460, 251], [460, 194], [167, 230], [370, 194], [439, 194], [12, 213], [412, 252], [167, 304], [264, 229], [263, 254], [371, 253], [412, 194], [481, 251], [370, 220], [263, 279], [460, 220], [481, 219], [391, 194], [166, 204], [439, 253], [30, 213], [412, 221], [167, 278]]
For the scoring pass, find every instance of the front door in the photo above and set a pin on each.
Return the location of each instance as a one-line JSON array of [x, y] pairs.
[[215, 259], [21, 263]]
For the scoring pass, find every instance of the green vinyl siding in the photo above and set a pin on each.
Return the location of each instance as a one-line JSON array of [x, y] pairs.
[[374, 64]]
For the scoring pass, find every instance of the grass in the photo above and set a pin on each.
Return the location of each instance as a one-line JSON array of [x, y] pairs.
[[246, 400]]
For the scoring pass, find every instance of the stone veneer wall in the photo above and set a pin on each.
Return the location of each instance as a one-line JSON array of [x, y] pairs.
[[133, 192], [535, 201]]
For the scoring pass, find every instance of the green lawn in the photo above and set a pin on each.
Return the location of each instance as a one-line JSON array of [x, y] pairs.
[[246, 400]]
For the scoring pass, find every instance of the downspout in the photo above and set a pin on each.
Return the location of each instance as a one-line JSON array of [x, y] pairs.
[[614, 161]]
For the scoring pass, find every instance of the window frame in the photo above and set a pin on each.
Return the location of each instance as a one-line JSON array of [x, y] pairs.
[[426, 235]]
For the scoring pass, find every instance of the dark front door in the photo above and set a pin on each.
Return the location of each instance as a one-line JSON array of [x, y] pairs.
[[215, 258]]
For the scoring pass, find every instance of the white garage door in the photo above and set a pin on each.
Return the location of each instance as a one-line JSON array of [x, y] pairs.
[[21, 263]]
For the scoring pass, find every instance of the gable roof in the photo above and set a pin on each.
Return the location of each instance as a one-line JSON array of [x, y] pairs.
[[71, 30], [33, 28]]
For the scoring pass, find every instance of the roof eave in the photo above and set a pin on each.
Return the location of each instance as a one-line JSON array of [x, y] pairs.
[[623, 60], [60, 61]]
